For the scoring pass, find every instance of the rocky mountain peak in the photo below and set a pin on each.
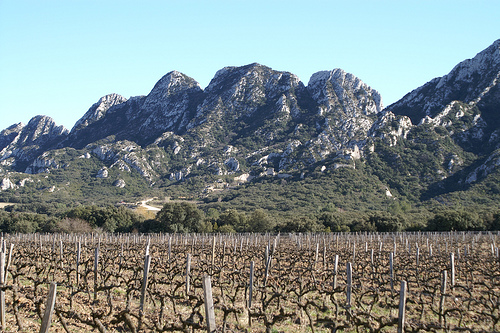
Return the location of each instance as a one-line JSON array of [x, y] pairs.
[[249, 76], [486, 61], [172, 83], [42, 126], [338, 86], [24, 143], [246, 96], [231, 75], [169, 105], [98, 110], [471, 81]]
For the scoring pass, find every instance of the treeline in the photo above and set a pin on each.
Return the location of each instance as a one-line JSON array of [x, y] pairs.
[[184, 217]]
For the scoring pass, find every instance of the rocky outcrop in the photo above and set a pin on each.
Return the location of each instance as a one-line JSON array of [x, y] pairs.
[[473, 81], [102, 173], [23, 144], [120, 183], [98, 110], [6, 184], [348, 109], [10, 135]]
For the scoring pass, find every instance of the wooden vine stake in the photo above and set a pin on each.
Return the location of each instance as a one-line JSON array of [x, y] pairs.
[[2, 292], [316, 257], [9, 261], [78, 256], [213, 255], [96, 262], [209, 304], [250, 292], [402, 304], [335, 267], [268, 268], [391, 268], [349, 284], [250, 286], [444, 278], [169, 249], [49, 308], [147, 262], [452, 269], [188, 273]]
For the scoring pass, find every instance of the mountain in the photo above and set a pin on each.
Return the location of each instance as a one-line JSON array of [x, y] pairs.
[[253, 126]]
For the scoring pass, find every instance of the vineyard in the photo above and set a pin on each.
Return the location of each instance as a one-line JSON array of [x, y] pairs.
[[366, 282]]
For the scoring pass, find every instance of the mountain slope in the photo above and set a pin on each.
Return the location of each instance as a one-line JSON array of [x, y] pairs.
[[472, 81]]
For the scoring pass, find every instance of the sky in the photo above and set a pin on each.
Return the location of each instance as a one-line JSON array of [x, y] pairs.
[[57, 58]]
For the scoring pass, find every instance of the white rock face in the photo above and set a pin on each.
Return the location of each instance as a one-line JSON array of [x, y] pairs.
[[391, 128], [22, 182], [491, 163], [232, 164], [349, 108], [177, 148], [243, 178], [42, 165], [352, 94], [102, 173], [86, 156], [176, 176], [268, 172], [119, 183], [6, 184], [238, 92], [167, 105], [24, 143], [104, 153]]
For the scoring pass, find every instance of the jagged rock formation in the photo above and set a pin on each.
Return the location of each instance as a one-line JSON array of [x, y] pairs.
[[474, 82], [21, 145], [98, 110]]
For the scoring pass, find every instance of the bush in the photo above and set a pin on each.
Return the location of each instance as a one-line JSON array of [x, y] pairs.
[[73, 225]]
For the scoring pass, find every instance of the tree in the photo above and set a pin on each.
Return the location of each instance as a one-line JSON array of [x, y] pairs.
[[235, 219], [109, 218], [259, 221], [386, 222], [337, 222], [302, 224], [180, 217], [455, 220]]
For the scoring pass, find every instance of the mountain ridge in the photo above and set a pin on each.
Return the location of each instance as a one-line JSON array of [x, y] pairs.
[[253, 122]]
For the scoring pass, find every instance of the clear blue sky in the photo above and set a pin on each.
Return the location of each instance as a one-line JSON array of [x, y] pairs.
[[57, 58]]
